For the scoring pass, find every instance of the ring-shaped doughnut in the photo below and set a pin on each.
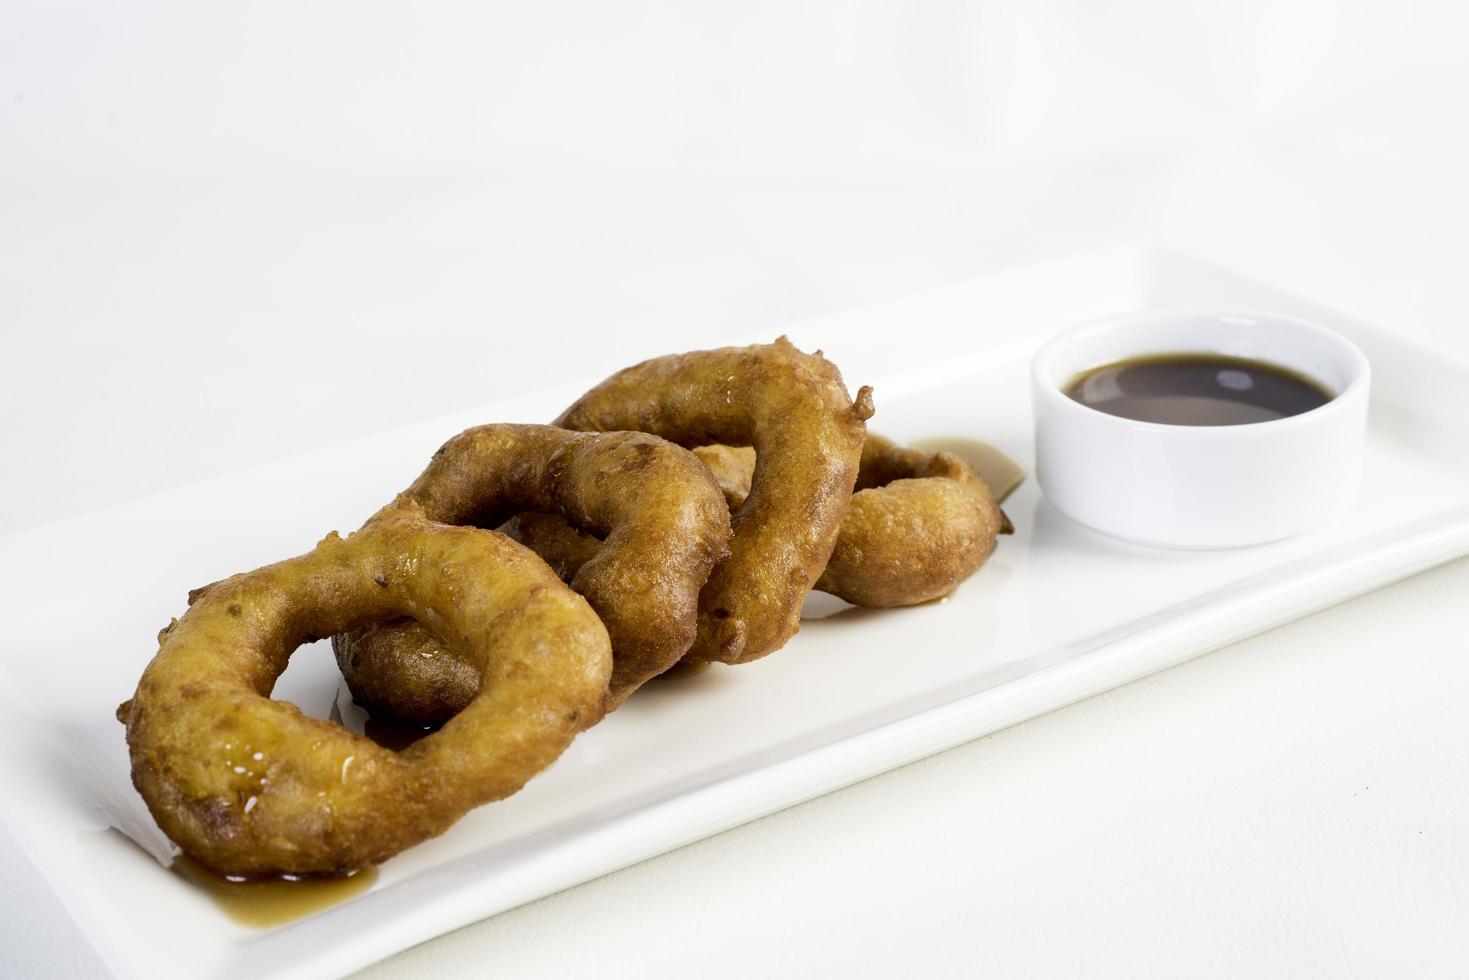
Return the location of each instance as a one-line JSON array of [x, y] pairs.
[[663, 521], [807, 433], [251, 786], [919, 524]]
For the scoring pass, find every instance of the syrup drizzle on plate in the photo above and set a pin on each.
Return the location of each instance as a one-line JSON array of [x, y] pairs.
[[264, 902]]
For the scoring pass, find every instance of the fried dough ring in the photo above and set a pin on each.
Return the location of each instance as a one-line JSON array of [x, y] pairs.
[[251, 786], [919, 524], [793, 408], [664, 522]]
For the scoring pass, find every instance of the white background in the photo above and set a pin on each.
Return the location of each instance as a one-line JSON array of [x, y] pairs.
[[234, 232]]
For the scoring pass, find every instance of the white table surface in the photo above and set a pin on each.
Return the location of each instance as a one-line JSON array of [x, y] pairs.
[[188, 292]]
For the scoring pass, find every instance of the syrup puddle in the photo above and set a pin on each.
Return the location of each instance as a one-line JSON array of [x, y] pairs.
[[261, 903], [264, 902], [256, 903], [391, 733]]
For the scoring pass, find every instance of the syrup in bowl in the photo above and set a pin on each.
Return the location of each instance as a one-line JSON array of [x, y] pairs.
[[1197, 389]]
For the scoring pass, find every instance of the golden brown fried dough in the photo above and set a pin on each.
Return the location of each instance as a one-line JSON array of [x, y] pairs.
[[807, 433], [732, 468], [251, 786], [559, 544], [920, 523], [663, 519]]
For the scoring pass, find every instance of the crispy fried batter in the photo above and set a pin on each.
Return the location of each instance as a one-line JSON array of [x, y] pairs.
[[807, 433], [920, 524], [559, 544], [732, 467], [662, 518], [251, 786]]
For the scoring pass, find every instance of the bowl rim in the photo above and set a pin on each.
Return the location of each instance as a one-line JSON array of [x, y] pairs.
[[1360, 370]]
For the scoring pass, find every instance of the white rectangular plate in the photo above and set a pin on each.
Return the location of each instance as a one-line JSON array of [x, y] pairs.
[[1058, 614]]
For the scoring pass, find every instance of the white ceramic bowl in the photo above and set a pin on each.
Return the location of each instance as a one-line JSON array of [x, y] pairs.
[[1191, 486]]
